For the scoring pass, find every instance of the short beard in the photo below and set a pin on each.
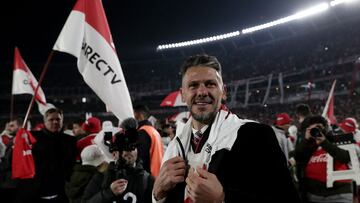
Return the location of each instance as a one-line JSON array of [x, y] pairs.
[[204, 118]]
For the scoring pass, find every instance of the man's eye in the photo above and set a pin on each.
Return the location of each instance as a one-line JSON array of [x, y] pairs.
[[192, 86], [210, 84]]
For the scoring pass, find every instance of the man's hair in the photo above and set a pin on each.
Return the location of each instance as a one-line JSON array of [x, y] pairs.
[[143, 109], [78, 121], [303, 110], [312, 120], [129, 123], [201, 60], [19, 121], [53, 110]]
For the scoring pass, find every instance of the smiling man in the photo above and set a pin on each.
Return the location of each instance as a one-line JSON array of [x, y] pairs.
[[218, 157]]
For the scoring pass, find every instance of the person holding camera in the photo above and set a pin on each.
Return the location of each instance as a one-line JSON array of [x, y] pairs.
[[125, 180], [310, 155]]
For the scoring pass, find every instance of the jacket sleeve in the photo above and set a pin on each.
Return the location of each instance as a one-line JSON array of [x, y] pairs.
[[261, 164], [337, 153], [94, 193], [149, 188]]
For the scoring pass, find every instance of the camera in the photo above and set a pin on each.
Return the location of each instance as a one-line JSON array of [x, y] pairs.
[[120, 169], [316, 132]]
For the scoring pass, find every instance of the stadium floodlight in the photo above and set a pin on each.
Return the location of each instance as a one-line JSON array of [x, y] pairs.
[[301, 14], [198, 41], [337, 2]]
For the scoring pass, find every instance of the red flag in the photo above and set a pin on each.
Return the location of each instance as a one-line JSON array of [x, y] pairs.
[[23, 165], [173, 99], [86, 35], [24, 82], [328, 112]]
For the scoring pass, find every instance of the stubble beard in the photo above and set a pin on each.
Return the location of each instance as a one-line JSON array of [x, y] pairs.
[[205, 118]]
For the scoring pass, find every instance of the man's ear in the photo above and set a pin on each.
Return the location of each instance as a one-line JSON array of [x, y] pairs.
[[224, 96], [182, 95]]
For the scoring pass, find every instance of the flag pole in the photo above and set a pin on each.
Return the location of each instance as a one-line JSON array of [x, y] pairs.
[[38, 86], [11, 107], [328, 99]]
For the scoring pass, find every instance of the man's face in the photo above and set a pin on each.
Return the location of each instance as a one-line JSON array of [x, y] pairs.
[[77, 130], [130, 156], [12, 127], [202, 90], [53, 122], [138, 116]]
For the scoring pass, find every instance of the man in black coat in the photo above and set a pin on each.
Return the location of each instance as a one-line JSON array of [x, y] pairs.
[[218, 157], [54, 155]]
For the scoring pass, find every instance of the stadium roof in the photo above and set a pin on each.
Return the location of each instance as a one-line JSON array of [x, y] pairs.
[[137, 26]]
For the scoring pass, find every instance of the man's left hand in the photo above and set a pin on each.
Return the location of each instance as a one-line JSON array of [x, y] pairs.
[[203, 186]]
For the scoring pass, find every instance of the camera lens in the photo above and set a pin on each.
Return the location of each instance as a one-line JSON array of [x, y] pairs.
[[315, 132]]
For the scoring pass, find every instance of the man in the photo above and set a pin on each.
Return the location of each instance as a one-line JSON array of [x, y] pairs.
[[91, 127], [54, 155], [232, 161], [280, 128], [310, 154], [7, 184], [150, 148], [302, 111], [77, 129], [10, 131], [125, 180], [93, 162], [349, 125]]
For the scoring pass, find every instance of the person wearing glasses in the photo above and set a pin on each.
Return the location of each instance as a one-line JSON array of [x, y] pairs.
[[218, 157]]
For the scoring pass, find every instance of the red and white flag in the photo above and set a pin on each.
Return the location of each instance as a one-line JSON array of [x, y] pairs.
[[86, 35], [328, 112], [24, 82], [173, 99]]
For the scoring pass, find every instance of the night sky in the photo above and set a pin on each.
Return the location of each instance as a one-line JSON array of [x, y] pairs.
[[137, 26]]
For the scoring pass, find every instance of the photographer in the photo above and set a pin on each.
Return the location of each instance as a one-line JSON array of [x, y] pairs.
[[310, 155], [125, 180]]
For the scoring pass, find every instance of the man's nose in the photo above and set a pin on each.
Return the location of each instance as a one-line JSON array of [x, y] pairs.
[[202, 90]]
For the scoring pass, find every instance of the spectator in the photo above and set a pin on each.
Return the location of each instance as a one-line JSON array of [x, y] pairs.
[[7, 184], [54, 155], [150, 148], [10, 131], [311, 154], [91, 127], [280, 128], [77, 129], [93, 161]]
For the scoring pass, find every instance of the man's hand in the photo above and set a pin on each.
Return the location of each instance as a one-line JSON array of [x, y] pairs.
[[171, 173], [321, 138], [118, 186], [203, 186]]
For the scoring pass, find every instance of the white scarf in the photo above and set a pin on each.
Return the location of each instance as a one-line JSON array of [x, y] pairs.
[[222, 135]]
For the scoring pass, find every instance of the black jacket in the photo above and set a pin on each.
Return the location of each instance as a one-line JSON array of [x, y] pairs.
[[79, 179], [54, 156], [140, 184], [254, 170]]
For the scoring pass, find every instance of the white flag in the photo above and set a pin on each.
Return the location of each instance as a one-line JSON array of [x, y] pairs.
[[86, 35], [24, 82], [328, 111]]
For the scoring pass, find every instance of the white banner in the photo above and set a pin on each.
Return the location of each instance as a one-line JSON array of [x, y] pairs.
[[86, 35]]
